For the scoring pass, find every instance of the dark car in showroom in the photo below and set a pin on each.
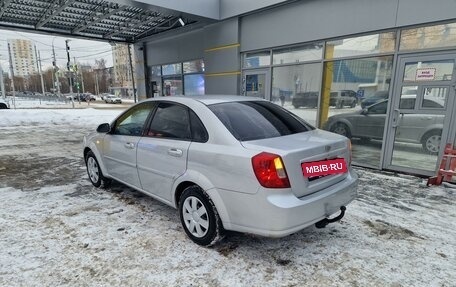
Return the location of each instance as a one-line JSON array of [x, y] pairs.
[[369, 123], [306, 99], [374, 98]]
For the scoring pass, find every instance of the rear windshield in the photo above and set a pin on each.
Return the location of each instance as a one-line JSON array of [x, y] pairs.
[[252, 120]]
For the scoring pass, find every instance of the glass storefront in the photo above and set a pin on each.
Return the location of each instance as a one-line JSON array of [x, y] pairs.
[[177, 79], [346, 86], [353, 103], [296, 88]]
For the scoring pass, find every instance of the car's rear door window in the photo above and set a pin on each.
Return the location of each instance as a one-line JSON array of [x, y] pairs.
[[252, 120], [199, 132], [170, 121]]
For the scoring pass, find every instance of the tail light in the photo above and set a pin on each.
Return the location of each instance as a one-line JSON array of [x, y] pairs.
[[270, 171]]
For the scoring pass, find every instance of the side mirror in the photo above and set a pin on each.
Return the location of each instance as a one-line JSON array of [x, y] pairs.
[[365, 111], [104, 128]]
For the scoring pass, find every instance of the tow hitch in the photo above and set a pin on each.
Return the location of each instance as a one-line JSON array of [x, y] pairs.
[[322, 223]]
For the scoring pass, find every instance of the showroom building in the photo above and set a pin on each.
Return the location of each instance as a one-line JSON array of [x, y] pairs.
[[380, 72]]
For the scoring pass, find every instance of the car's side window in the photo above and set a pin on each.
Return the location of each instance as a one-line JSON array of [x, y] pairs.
[[379, 108], [132, 122], [170, 121], [199, 133], [407, 104]]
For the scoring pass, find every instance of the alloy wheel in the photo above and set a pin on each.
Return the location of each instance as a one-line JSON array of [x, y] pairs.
[[92, 168], [433, 143], [195, 216]]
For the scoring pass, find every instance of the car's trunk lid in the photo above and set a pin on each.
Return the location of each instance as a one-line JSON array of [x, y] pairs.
[[296, 149]]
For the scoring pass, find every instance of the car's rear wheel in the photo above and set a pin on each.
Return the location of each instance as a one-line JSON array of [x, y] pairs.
[[353, 104], [3, 106], [342, 129], [431, 141], [199, 217], [94, 171]]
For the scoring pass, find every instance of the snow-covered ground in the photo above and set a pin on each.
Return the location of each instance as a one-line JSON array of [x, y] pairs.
[[57, 230]]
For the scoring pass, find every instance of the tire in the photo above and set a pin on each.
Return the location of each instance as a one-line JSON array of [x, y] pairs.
[[296, 106], [94, 172], [3, 106], [431, 141], [341, 129], [339, 105], [353, 104], [199, 217]]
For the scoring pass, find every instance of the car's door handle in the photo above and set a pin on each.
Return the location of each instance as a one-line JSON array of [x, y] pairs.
[[175, 152], [129, 145]]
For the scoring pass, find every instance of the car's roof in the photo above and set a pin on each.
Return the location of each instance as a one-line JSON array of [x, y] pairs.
[[208, 99]]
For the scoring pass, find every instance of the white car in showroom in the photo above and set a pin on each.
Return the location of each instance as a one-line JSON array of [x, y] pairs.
[[226, 163]]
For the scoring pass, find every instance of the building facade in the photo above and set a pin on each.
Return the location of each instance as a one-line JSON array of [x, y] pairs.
[[23, 56], [123, 79], [379, 72]]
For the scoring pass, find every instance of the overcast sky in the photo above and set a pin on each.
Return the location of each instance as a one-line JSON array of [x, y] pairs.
[[85, 51]]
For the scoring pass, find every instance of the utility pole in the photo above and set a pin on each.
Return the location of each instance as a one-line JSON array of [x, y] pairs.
[[76, 74], [55, 72], [70, 82], [41, 74], [38, 67], [97, 89], [131, 70], [12, 75], [2, 84]]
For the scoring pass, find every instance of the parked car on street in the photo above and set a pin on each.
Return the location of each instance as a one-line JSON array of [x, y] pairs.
[[306, 99], [226, 163], [4, 104], [337, 99], [87, 96], [111, 99], [343, 98], [369, 123]]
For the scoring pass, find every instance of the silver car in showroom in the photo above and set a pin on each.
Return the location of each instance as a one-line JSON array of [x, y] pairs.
[[226, 163], [369, 123]]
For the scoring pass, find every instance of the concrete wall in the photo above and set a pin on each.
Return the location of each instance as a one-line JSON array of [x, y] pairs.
[[140, 72], [306, 21], [217, 44], [222, 58], [179, 48]]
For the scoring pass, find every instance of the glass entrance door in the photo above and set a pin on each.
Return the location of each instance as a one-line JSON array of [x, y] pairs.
[[256, 84], [421, 113]]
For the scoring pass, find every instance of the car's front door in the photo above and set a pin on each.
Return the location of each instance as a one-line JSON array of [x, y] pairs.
[[120, 145], [371, 122], [162, 152]]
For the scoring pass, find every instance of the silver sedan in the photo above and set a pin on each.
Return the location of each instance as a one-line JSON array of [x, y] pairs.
[[226, 163]]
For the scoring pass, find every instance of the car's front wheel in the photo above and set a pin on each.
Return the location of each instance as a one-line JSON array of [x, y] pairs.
[[94, 171], [199, 217], [342, 129], [431, 141]]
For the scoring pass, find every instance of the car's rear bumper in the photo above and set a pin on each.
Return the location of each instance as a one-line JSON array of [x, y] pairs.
[[277, 213]]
